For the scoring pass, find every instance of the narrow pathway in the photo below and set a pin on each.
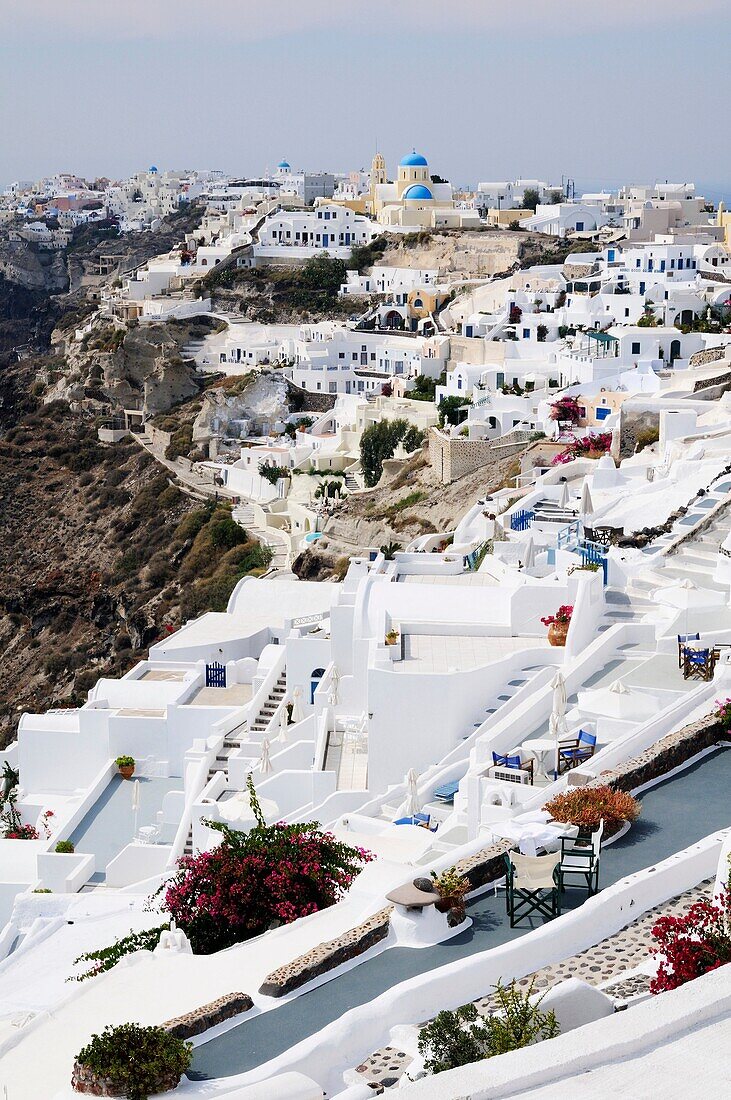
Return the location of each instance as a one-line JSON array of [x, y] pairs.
[[612, 958], [670, 821]]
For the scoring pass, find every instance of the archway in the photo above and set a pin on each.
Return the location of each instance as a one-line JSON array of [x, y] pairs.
[[315, 676]]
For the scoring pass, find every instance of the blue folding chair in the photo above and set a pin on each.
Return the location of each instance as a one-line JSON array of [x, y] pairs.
[[573, 753], [499, 761], [682, 639]]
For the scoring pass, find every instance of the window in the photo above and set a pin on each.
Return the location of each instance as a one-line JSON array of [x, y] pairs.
[[526, 333], [341, 355], [635, 347]]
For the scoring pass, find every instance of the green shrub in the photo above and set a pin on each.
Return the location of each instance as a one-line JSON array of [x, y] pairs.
[[125, 761], [137, 1059], [64, 848], [225, 532], [379, 442], [456, 1038]]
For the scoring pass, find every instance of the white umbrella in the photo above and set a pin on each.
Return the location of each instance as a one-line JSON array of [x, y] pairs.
[[557, 722], [686, 596], [265, 763], [283, 722], [297, 711], [136, 801], [563, 500], [529, 558], [558, 683], [413, 806], [587, 505], [238, 811], [619, 701]]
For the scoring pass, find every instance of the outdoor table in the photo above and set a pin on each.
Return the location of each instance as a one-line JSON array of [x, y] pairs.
[[542, 747], [411, 897], [532, 835]]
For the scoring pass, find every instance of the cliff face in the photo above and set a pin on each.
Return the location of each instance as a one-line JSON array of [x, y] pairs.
[[126, 367], [100, 555]]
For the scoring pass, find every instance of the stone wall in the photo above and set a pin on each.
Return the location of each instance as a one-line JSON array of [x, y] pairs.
[[708, 355], [326, 956], [311, 402], [208, 1016], [660, 758], [451, 457], [667, 753]]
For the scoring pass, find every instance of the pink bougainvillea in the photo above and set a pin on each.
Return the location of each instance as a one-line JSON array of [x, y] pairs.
[[563, 615], [691, 945], [566, 409], [253, 881], [593, 443]]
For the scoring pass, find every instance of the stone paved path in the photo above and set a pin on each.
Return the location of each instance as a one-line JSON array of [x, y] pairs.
[[611, 958]]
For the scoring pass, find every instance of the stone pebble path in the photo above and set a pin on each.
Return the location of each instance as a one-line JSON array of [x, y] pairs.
[[612, 958]]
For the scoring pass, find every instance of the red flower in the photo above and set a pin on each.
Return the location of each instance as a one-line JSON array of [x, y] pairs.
[[691, 945]]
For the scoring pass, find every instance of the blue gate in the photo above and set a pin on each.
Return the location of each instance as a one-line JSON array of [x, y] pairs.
[[215, 675], [521, 520], [594, 554]]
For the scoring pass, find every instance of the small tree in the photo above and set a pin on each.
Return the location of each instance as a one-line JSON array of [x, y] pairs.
[[323, 273], [452, 410], [541, 333], [379, 442], [455, 1039], [531, 198]]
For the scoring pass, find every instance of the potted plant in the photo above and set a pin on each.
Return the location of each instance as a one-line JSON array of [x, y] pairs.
[[132, 1061], [126, 765], [558, 624], [64, 848], [587, 806], [392, 637], [452, 888]]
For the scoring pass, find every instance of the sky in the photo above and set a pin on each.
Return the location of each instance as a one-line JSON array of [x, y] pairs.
[[601, 91]]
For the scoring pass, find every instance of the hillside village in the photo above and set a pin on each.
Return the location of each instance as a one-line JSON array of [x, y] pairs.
[[372, 535]]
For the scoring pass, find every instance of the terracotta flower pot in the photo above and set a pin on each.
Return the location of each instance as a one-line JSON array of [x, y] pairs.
[[127, 771], [557, 633]]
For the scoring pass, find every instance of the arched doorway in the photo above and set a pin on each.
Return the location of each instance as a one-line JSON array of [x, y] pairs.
[[315, 676], [394, 319], [674, 350]]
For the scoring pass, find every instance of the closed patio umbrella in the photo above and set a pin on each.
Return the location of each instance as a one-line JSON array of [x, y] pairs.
[[297, 710], [558, 683], [563, 500], [265, 763], [587, 505], [413, 806], [136, 801], [557, 722], [529, 557], [283, 722]]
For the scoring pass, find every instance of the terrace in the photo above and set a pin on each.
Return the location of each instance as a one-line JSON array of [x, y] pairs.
[[669, 823]]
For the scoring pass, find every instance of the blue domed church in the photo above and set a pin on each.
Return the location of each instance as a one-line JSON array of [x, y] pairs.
[[413, 200]]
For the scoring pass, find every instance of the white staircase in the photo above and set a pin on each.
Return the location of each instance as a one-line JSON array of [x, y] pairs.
[[270, 705]]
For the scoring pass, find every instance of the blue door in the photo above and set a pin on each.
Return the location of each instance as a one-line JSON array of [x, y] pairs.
[[324, 240]]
